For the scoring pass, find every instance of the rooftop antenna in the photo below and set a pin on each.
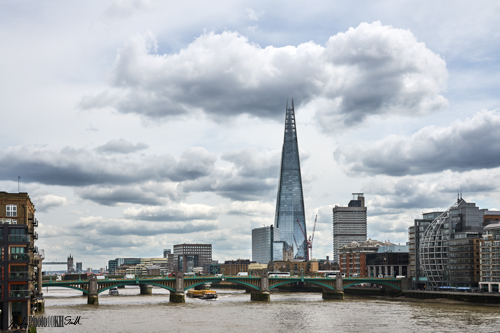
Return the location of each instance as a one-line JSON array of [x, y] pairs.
[[18, 188]]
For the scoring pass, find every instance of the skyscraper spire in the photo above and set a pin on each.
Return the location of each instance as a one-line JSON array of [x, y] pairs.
[[290, 217]]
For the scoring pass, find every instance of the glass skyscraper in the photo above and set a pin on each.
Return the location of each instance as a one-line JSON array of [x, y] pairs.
[[263, 240], [290, 218]]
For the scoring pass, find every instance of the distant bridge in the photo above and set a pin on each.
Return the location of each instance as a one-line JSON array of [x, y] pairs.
[[55, 263], [258, 285]]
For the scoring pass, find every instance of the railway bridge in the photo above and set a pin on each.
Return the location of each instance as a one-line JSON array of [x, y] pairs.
[[259, 286]]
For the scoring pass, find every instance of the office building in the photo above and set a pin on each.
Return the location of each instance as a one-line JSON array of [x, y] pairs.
[[290, 218], [166, 252], [18, 259], [118, 264], [389, 261], [352, 257], [349, 224], [193, 255], [490, 258], [415, 234], [462, 222], [79, 266], [263, 241]]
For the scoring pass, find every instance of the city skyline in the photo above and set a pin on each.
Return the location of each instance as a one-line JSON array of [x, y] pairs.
[[136, 125]]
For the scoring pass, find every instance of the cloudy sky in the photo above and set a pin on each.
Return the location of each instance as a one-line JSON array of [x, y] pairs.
[[138, 124]]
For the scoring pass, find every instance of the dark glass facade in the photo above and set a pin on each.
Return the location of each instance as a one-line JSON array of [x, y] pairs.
[[290, 201]]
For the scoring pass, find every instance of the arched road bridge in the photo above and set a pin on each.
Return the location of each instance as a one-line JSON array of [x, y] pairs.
[[259, 286]]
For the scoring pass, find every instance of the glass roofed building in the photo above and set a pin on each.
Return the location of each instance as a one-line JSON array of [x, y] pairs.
[[448, 246]]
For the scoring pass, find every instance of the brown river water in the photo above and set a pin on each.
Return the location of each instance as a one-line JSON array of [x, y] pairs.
[[287, 312]]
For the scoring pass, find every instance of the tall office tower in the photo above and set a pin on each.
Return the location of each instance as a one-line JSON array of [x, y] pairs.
[[290, 218], [263, 240], [349, 224]]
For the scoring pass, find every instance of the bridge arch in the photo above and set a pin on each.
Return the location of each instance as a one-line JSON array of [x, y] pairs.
[[318, 283], [199, 283], [243, 283], [134, 283]]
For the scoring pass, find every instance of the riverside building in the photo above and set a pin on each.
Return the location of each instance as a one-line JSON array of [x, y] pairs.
[[490, 258], [449, 237], [18, 259], [349, 224], [415, 234], [352, 257], [290, 218]]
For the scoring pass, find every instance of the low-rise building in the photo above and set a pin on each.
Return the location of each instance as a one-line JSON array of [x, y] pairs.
[[294, 266], [352, 257], [233, 267], [389, 261]]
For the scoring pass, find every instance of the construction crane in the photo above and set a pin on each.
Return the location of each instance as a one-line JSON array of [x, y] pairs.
[[311, 238]]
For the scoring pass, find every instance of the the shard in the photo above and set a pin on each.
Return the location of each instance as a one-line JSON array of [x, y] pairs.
[[290, 217]]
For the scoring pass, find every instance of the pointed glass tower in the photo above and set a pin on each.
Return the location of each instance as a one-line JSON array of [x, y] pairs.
[[290, 201]]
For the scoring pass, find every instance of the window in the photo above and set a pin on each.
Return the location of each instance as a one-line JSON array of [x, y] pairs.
[[11, 210]]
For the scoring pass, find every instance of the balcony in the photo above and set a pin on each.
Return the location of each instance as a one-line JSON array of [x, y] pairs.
[[19, 238], [19, 256], [19, 275], [20, 293]]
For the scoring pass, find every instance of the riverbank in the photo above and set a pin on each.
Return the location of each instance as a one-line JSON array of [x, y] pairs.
[[468, 297]]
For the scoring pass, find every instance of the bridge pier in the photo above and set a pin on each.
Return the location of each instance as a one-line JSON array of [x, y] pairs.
[[333, 295], [260, 296], [178, 295], [93, 298], [338, 293], [146, 289], [263, 294]]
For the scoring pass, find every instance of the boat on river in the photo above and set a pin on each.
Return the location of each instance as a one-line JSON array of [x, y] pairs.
[[203, 294], [114, 291]]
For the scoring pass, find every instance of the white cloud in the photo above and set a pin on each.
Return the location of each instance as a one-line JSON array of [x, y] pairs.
[[172, 212], [47, 202], [121, 146], [369, 70]]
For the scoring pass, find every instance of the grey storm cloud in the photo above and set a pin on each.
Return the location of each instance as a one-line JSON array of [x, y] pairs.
[[112, 196], [101, 226], [462, 146], [370, 69], [253, 176], [149, 193], [121, 147], [253, 163], [172, 212], [80, 167], [233, 187]]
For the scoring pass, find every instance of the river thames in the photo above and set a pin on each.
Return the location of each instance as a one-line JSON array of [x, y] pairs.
[[287, 312]]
